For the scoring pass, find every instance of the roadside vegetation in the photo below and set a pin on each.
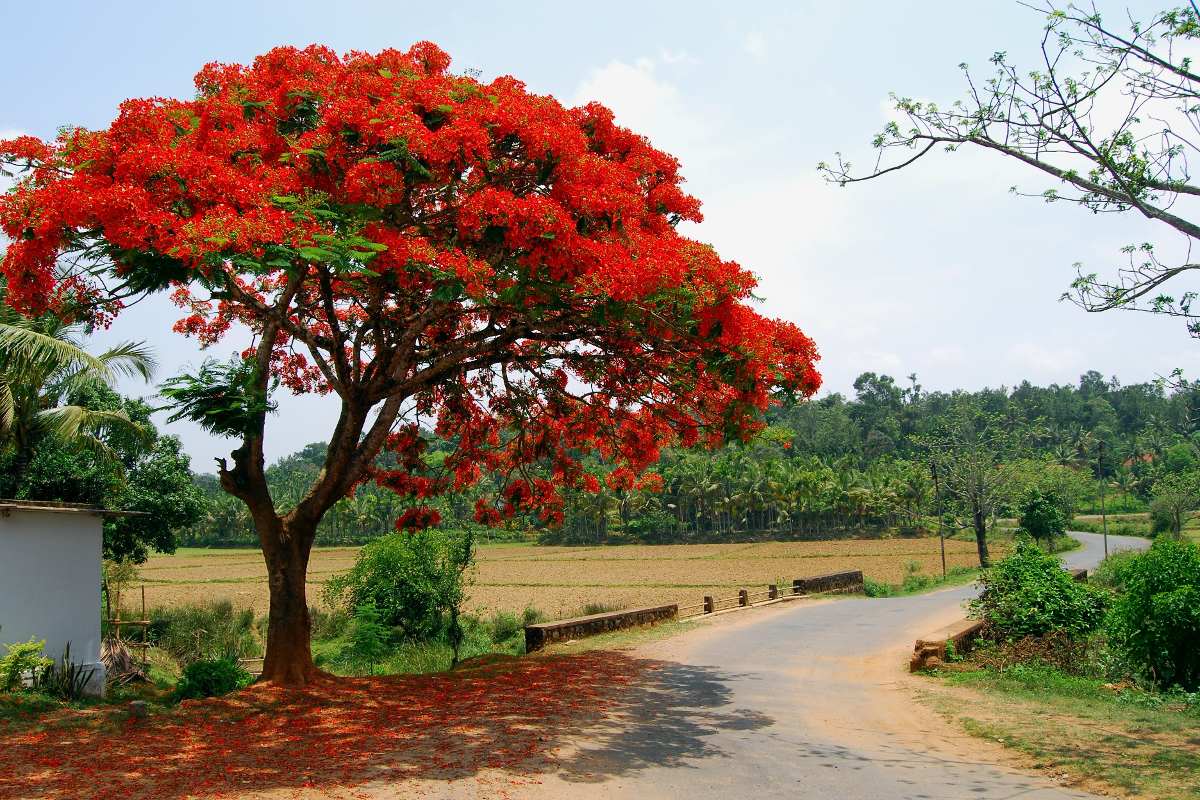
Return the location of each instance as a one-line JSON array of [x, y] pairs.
[[1097, 680]]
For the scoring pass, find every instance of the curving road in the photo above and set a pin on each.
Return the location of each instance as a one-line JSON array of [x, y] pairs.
[[797, 700]]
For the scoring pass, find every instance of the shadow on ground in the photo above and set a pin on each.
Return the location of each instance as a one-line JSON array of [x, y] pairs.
[[511, 716]]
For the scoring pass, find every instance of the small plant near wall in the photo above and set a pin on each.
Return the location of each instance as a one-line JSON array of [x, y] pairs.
[[23, 659], [66, 680]]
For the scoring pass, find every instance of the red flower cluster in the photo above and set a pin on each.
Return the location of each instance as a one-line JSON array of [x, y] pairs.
[[416, 241]]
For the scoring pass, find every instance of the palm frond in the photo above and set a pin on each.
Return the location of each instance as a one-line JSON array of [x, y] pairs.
[[132, 359], [8, 406], [96, 446], [76, 423], [22, 348]]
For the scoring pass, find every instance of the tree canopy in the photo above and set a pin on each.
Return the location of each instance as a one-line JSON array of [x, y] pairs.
[[425, 246]]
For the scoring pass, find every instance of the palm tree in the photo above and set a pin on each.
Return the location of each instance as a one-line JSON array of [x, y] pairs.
[[1125, 482], [42, 367]]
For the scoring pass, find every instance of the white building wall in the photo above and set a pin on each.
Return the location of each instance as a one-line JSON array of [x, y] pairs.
[[50, 582]]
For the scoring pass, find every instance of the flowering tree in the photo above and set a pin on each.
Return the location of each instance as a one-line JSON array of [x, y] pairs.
[[433, 250]]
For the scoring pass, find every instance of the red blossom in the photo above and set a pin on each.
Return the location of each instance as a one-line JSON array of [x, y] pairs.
[[420, 243]]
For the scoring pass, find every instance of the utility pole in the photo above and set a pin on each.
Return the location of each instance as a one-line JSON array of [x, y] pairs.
[[1100, 474], [937, 498]]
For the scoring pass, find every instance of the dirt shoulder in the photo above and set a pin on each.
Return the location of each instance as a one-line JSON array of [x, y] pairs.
[[1105, 742]]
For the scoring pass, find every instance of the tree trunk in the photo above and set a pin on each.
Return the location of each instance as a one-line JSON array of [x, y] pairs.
[[288, 660], [981, 538]]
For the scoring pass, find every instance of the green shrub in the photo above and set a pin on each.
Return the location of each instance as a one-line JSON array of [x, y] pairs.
[[1111, 572], [415, 580], [1029, 594], [369, 637], [504, 626], [873, 588], [209, 632], [1156, 619], [1116, 527], [1161, 518], [328, 624], [211, 678], [22, 658], [532, 616], [917, 582]]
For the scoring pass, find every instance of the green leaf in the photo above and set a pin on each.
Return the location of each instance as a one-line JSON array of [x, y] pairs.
[[448, 292], [316, 254]]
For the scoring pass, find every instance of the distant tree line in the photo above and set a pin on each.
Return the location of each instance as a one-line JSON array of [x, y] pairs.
[[833, 466]]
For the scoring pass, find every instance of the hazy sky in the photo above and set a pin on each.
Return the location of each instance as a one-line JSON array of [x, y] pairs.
[[938, 270]]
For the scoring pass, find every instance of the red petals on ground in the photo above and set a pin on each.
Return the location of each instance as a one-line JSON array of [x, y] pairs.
[[334, 735]]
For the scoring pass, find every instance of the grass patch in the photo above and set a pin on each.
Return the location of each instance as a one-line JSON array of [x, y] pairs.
[[917, 583], [19, 710], [25, 710], [1117, 735], [502, 634]]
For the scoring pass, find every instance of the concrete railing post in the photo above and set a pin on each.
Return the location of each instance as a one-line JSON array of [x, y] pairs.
[[796, 586], [772, 592], [708, 604], [743, 598]]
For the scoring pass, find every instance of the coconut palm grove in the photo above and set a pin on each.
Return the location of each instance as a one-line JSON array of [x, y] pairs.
[[528, 482]]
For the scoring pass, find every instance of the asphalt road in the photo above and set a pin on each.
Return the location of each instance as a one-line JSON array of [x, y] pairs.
[[799, 700]]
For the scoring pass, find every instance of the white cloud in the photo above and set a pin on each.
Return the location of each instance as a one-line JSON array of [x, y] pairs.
[[672, 57], [755, 43], [1044, 360], [879, 361], [646, 103], [947, 356]]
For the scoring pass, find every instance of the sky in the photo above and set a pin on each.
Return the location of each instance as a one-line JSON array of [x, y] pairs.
[[937, 270]]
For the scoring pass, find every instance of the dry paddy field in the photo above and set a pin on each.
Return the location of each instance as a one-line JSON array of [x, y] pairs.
[[561, 580]]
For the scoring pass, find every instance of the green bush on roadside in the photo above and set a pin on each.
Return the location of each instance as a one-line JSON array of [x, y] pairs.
[[1116, 527], [1156, 618], [1029, 594], [1042, 516], [1111, 572], [913, 582], [873, 588], [504, 626]]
